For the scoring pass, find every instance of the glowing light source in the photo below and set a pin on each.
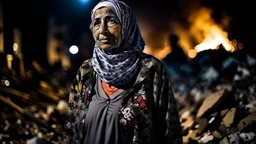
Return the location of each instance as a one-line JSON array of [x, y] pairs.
[[192, 53], [7, 83], [15, 47], [84, 1], [73, 49]]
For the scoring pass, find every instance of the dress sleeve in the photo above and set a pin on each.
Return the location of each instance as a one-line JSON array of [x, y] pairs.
[[168, 122], [75, 92], [73, 127]]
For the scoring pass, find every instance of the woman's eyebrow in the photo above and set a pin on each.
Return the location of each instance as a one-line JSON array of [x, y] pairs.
[[111, 14], [107, 15]]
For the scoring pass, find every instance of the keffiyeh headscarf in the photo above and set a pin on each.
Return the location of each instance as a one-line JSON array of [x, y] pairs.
[[118, 68]]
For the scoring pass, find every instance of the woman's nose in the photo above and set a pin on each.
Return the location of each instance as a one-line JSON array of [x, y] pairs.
[[103, 28]]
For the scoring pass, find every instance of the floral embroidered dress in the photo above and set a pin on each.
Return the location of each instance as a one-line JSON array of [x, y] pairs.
[[148, 114]]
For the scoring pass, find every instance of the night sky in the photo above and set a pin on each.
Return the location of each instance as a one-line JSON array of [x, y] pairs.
[[33, 16]]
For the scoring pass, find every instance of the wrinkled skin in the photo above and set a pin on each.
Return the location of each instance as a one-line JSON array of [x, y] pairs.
[[106, 28]]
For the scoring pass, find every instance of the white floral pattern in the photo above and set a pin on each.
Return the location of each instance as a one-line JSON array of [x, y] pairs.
[[127, 113]]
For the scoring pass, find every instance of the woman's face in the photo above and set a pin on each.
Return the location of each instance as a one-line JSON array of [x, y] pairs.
[[106, 28]]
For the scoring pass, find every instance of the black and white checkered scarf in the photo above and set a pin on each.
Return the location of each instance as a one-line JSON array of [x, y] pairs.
[[118, 66]]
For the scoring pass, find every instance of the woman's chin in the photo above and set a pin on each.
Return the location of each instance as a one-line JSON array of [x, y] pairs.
[[107, 47]]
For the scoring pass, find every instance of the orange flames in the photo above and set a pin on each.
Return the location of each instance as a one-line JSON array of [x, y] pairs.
[[202, 34], [206, 31]]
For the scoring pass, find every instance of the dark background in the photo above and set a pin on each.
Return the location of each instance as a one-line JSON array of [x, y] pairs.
[[32, 18]]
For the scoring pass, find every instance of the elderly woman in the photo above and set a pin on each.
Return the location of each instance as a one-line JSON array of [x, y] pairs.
[[121, 95]]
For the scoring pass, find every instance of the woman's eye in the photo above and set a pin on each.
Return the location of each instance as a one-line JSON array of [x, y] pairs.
[[96, 22], [112, 21]]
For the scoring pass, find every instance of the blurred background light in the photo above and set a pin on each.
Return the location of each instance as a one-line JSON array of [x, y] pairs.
[[73, 49], [84, 1]]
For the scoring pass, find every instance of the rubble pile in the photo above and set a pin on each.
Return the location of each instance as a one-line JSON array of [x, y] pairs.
[[223, 116], [219, 109], [215, 105], [32, 109]]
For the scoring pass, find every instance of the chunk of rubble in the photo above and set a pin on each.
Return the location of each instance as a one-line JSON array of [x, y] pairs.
[[234, 138], [212, 103], [233, 117], [206, 139], [224, 141], [247, 137], [247, 121]]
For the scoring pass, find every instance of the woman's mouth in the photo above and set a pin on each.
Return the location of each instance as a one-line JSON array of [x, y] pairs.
[[104, 40]]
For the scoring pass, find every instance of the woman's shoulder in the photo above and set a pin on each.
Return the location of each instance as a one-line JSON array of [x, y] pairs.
[[85, 67], [148, 59], [86, 64]]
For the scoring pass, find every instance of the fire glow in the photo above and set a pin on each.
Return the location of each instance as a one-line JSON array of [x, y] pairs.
[[202, 33], [213, 34]]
